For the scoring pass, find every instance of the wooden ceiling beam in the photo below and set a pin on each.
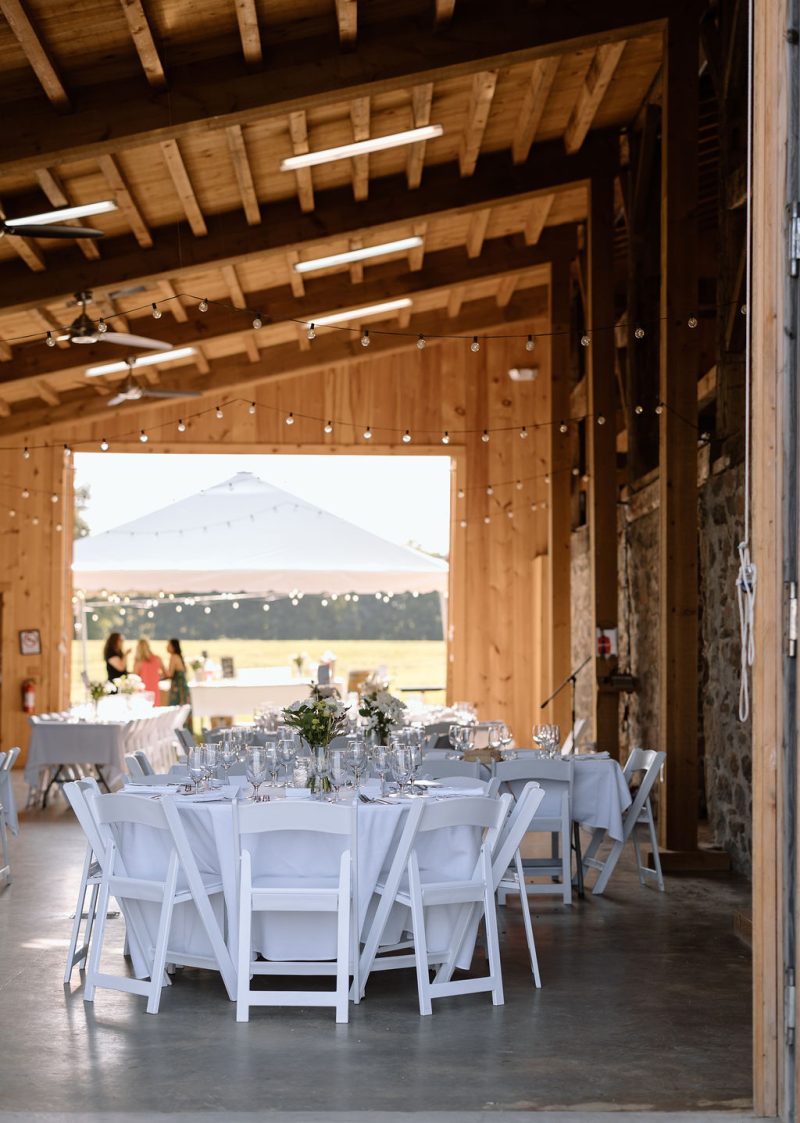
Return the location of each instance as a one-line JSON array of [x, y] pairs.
[[5, 408], [421, 101], [347, 20], [444, 11], [231, 280], [296, 282], [505, 290], [183, 186], [6, 354], [251, 347], [47, 393], [57, 197], [443, 271], [28, 251], [537, 218], [125, 201], [495, 183], [35, 52], [480, 104], [247, 18], [306, 75], [359, 116], [47, 323], [477, 231], [244, 174], [284, 361], [144, 43], [533, 105], [417, 255], [592, 92], [298, 131], [175, 306]]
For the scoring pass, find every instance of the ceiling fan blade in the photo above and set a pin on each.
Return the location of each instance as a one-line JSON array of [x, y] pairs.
[[118, 400], [147, 393], [40, 231], [129, 291], [126, 340]]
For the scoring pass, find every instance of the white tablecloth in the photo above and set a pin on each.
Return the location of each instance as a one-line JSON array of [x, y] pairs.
[[234, 697], [599, 792], [293, 855]]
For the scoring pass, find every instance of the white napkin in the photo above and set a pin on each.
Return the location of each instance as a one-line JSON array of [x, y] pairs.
[[149, 789], [298, 793], [591, 756], [457, 791]]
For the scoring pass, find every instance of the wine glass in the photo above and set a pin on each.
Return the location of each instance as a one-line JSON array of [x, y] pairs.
[[288, 753], [493, 736], [337, 770], [357, 755], [453, 734], [228, 753], [211, 763], [541, 735], [381, 762], [196, 762], [272, 759], [555, 741], [256, 769], [402, 764]]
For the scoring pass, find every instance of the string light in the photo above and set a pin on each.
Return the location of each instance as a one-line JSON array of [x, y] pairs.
[[530, 343], [576, 471], [328, 427], [547, 479], [235, 604], [475, 345], [219, 413], [257, 321], [35, 520], [406, 438], [54, 498], [181, 426], [102, 326], [368, 434], [290, 418], [365, 338], [460, 493], [445, 438], [12, 514], [26, 453], [601, 419], [207, 610], [463, 524], [485, 436], [510, 513], [265, 608], [585, 340], [659, 408], [533, 506], [487, 519], [143, 437], [311, 335], [421, 342], [179, 608], [638, 333], [67, 452], [519, 485], [203, 305], [692, 322], [59, 528], [563, 427], [50, 340], [25, 493], [251, 409], [638, 410], [490, 490], [523, 432], [156, 312]]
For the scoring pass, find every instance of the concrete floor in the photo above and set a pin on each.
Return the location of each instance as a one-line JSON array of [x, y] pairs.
[[645, 1007]]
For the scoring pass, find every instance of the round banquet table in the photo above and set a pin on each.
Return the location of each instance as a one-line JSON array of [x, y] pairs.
[[290, 855]]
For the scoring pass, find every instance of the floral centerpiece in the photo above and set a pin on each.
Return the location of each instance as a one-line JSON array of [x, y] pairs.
[[129, 684], [298, 661], [383, 712], [318, 720], [99, 689]]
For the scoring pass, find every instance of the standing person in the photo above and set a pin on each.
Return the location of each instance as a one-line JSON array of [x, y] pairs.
[[116, 656], [149, 667], [176, 673]]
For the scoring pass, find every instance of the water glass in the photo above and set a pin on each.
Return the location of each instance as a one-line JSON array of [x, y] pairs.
[[256, 765], [196, 762], [272, 759], [402, 762], [357, 755], [211, 763], [381, 763], [494, 738], [338, 770]]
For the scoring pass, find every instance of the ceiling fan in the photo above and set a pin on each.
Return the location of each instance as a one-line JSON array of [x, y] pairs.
[[84, 330], [133, 391], [47, 224]]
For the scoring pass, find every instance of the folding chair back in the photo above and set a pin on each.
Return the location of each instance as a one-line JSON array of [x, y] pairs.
[[433, 768], [572, 738], [133, 766], [144, 762], [10, 759]]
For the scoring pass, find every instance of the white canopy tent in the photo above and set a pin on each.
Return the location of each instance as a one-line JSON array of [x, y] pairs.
[[246, 536]]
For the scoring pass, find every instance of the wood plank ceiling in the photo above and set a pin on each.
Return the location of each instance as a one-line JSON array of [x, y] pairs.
[[182, 114]]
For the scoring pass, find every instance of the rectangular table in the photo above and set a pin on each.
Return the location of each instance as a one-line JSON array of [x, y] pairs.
[[240, 696]]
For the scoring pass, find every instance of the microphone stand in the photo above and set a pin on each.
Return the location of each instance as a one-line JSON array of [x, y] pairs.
[[572, 679]]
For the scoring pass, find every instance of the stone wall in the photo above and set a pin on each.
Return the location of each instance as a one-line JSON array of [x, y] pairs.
[[581, 625]]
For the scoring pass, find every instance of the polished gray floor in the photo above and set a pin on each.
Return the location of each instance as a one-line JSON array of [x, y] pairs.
[[645, 1007]]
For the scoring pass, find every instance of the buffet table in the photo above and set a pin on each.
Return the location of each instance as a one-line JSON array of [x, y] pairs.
[[240, 696]]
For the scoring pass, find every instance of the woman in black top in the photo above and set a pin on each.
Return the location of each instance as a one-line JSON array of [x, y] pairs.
[[116, 656]]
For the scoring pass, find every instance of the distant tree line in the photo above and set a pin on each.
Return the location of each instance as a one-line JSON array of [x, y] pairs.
[[405, 617]]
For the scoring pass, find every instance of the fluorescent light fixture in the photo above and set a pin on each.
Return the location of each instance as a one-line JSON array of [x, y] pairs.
[[361, 148], [150, 360], [402, 245], [63, 213], [362, 313]]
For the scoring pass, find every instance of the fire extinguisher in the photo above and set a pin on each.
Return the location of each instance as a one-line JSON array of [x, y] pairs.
[[29, 696]]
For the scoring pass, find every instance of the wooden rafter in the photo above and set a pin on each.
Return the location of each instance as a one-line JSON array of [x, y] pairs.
[[359, 116], [537, 218], [601, 71], [35, 52], [231, 280], [174, 306], [480, 103], [455, 300], [46, 392], [421, 100], [477, 231], [356, 267], [183, 186], [417, 255], [347, 19], [5, 408], [244, 174], [47, 323], [295, 279], [125, 201], [6, 354], [145, 44], [536, 94], [505, 290], [444, 11], [200, 360], [57, 196], [28, 250], [247, 16], [251, 347], [298, 131]]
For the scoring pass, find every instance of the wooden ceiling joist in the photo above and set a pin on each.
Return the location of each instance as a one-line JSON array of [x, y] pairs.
[[359, 116], [5, 408], [247, 18], [305, 76], [601, 71], [421, 101], [505, 290], [295, 279], [183, 186], [417, 254], [495, 182], [244, 174], [480, 104], [57, 197], [347, 20], [533, 105], [537, 218], [477, 231], [35, 52], [144, 43], [29, 252], [174, 306], [298, 131], [46, 392], [6, 354], [231, 280], [125, 201], [444, 11]]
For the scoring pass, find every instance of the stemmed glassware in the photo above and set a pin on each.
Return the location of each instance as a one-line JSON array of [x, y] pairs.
[[494, 738], [357, 755], [287, 750], [256, 769], [211, 762], [272, 759], [381, 762], [403, 765], [196, 763], [228, 754], [549, 737], [337, 770]]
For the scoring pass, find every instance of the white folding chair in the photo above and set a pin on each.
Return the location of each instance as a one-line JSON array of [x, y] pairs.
[[260, 892], [5, 860], [144, 763], [180, 884], [571, 742], [411, 885], [553, 817], [133, 766], [79, 795], [9, 810], [646, 762], [437, 769]]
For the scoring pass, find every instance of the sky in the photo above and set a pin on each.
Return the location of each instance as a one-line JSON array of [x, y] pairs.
[[403, 498]]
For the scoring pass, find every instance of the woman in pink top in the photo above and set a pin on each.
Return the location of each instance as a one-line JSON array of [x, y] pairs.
[[148, 667]]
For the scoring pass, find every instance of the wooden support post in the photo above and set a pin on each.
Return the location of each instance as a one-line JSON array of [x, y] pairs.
[[558, 497], [678, 434], [602, 454]]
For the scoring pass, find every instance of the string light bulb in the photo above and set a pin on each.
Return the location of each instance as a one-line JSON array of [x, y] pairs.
[[562, 427], [510, 513], [203, 305], [54, 498], [257, 322], [59, 528], [406, 437], [218, 413], [311, 334], [638, 410], [26, 453], [659, 408], [530, 343], [143, 437], [12, 514], [692, 322], [638, 333], [460, 493], [475, 345], [523, 432], [485, 436], [421, 342], [534, 506], [181, 426], [487, 519], [35, 520], [290, 418], [251, 409], [328, 427], [519, 485], [547, 479], [104, 445], [102, 326], [50, 340], [576, 471], [445, 438], [463, 524], [365, 338], [601, 419], [25, 493], [585, 340], [156, 311], [368, 434]]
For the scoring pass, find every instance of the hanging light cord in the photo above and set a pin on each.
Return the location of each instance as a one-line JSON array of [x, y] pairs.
[[746, 580]]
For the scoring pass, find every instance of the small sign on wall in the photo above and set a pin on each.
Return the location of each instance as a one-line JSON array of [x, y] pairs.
[[30, 642], [607, 642]]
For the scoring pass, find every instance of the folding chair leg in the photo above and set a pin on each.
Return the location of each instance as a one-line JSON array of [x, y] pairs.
[[157, 973], [5, 864], [492, 938], [594, 845], [638, 852], [96, 947], [608, 868], [243, 955], [343, 949], [76, 924], [566, 864], [420, 940], [91, 915], [524, 904], [654, 843]]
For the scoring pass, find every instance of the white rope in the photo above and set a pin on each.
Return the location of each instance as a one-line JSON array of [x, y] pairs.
[[746, 580]]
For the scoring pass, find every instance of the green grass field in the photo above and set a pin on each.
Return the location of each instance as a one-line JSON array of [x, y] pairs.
[[410, 662]]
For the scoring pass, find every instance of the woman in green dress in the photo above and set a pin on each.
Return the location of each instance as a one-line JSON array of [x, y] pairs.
[[176, 673]]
